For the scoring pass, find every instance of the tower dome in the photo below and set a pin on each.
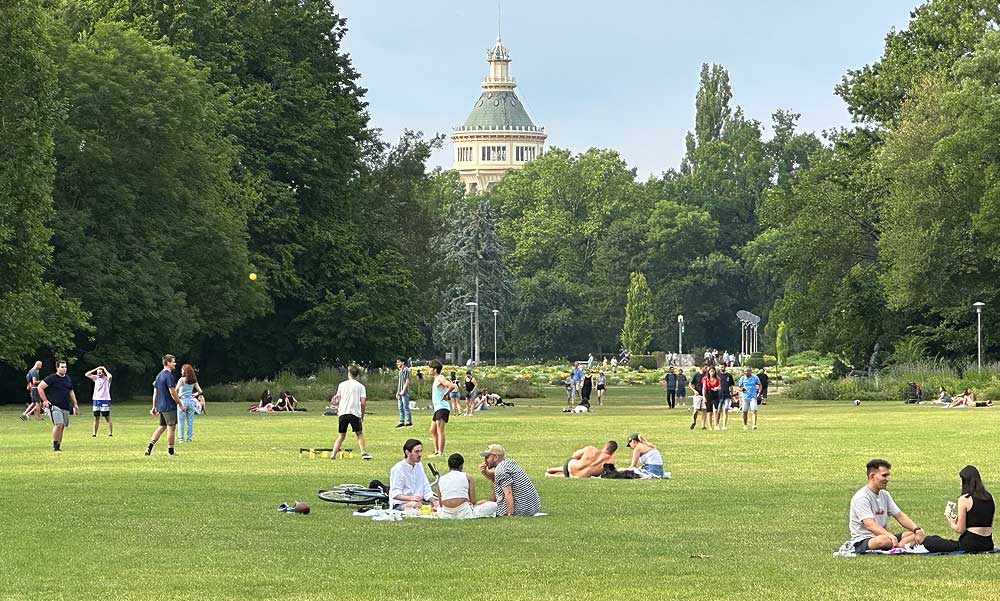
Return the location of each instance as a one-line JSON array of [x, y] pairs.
[[498, 134]]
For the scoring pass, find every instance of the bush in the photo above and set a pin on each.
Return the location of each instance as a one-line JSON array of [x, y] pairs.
[[661, 359], [770, 360], [755, 361], [643, 361], [807, 358]]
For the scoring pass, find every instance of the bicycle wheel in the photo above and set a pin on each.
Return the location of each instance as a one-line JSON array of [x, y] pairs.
[[353, 496]]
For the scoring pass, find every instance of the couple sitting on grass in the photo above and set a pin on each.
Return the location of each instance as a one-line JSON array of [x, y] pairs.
[[593, 462], [971, 517], [513, 492], [966, 399]]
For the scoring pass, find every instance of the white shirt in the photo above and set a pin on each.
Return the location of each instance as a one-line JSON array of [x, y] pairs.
[[351, 392], [454, 485], [406, 479]]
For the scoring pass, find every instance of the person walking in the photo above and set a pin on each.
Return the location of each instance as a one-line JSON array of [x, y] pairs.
[[726, 386], [711, 386], [165, 405], [470, 390], [681, 385], [750, 388], [56, 392], [101, 401], [351, 399], [670, 385], [698, 402], [440, 389], [190, 394], [32, 378], [403, 394], [602, 382]]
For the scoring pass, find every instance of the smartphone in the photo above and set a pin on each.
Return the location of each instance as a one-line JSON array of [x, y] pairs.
[[949, 509]]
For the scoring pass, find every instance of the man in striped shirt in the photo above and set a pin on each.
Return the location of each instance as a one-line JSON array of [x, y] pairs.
[[512, 489]]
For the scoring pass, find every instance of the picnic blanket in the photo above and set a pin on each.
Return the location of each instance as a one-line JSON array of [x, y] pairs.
[[847, 550], [395, 515]]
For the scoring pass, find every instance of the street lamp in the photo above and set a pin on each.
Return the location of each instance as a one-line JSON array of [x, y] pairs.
[[472, 322], [979, 332], [680, 336], [495, 313]]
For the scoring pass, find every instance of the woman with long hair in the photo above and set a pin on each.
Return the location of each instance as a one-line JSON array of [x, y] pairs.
[[645, 456], [442, 408], [711, 389], [191, 400], [971, 517]]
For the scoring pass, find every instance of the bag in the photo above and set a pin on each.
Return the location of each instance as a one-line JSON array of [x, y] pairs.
[[611, 472]]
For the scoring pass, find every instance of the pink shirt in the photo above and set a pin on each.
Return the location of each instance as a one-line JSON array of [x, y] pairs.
[[102, 388]]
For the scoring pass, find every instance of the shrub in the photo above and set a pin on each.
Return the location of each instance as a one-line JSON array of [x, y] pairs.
[[643, 361], [807, 358], [661, 359]]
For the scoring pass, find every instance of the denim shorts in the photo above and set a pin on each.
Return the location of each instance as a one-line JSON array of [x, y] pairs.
[[749, 404]]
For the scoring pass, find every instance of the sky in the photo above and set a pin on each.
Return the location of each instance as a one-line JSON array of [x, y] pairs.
[[620, 75]]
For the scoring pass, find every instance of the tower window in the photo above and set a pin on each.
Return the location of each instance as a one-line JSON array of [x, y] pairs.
[[494, 153], [464, 154], [524, 153]]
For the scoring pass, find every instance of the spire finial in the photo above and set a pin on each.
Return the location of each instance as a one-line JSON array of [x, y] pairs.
[[498, 20]]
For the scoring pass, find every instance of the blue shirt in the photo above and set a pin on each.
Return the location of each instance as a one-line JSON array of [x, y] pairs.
[[749, 384], [165, 381], [577, 374]]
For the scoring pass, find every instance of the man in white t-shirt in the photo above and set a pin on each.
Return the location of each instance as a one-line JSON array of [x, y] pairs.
[[408, 484], [869, 514], [352, 399]]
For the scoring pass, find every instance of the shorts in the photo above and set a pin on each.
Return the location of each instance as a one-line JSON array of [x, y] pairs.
[[725, 404], [680, 393], [168, 418], [566, 468], [711, 404], [60, 416], [102, 408], [697, 402], [441, 415], [862, 545], [455, 394], [600, 387], [349, 419], [34, 395], [749, 404]]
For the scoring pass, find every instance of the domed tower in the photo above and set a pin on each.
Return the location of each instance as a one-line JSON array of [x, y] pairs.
[[498, 135]]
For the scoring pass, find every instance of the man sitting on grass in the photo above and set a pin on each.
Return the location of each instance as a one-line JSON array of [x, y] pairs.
[[408, 484], [870, 509], [585, 462], [513, 491]]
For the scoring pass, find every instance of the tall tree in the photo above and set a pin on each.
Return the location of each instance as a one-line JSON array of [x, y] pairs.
[[35, 312], [638, 328]]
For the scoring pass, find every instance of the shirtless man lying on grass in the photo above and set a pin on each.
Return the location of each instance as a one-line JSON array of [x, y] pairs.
[[586, 462]]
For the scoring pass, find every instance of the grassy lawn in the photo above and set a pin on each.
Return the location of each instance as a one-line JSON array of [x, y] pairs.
[[102, 521]]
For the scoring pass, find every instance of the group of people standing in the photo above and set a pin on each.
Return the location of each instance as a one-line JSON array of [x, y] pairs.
[[580, 385], [715, 389]]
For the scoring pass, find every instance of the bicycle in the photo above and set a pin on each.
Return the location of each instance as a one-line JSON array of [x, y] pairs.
[[361, 495]]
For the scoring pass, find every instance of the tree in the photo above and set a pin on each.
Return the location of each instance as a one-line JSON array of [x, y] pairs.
[[638, 328], [781, 343], [35, 311]]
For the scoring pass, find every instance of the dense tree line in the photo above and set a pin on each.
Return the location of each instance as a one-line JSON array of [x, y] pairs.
[[156, 153]]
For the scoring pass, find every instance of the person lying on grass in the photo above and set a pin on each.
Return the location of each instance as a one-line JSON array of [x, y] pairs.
[[585, 463], [968, 399], [869, 514], [458, 494]]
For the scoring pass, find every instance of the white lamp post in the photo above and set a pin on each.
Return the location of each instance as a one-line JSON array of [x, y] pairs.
[[680, 336], [495, 313], [472, 324], [979, 333]]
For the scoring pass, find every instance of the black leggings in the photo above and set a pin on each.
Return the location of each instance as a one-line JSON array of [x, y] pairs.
[[671, 398], [968, 542]]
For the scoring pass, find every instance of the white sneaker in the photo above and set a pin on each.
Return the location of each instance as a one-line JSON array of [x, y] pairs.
[[717, 427], [666, 475], [725, 427], [744, 428]]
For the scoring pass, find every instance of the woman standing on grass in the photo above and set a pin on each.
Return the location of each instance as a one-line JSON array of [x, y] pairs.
[[191, 401], [602, 381], [971, 517], [442, 408], [710, 386], [102, 396]]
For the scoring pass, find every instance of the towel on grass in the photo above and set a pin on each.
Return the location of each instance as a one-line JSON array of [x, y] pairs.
[[847, 550], [395, 515]]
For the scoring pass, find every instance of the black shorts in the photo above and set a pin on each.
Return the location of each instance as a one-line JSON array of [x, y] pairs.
[[566, 468], [711, 404], [600, 386], [441, 415], [102, 413], [862, 545], [349, 419]]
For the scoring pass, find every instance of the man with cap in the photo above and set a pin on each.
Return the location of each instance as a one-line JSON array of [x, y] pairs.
[[513, 491], [586, 462]]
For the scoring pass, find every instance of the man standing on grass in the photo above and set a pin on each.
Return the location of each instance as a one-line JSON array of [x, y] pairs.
[[749, 387], [513, 491], [353, 399], [670, 384], [165, 402], [870, 509], [762, 376], [698, 398], [56, 392], [727, 382], [33, 377], [403, 394]]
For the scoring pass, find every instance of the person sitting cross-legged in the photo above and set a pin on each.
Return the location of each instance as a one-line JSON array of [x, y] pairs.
[[458, 494], [971, 517], [869, 514], [585, 463], [408, 484]]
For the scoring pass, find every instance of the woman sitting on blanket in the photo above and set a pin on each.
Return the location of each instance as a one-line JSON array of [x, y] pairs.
[[944, 398], [971, 518], [645, 456], [968, 399], [458, 494]]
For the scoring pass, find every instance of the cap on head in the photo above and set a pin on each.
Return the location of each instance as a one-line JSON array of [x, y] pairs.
[[634, 437], [493, 449]]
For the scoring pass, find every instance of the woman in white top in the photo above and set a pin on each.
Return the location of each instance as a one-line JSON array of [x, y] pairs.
[[458, 494], [645, 456]]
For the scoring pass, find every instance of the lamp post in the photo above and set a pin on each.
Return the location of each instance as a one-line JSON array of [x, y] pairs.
[[743, 338], [680, 336], [495, 313], [979, 333], [472, 324]]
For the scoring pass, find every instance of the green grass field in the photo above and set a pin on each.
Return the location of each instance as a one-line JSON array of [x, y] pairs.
[[768, 508]]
